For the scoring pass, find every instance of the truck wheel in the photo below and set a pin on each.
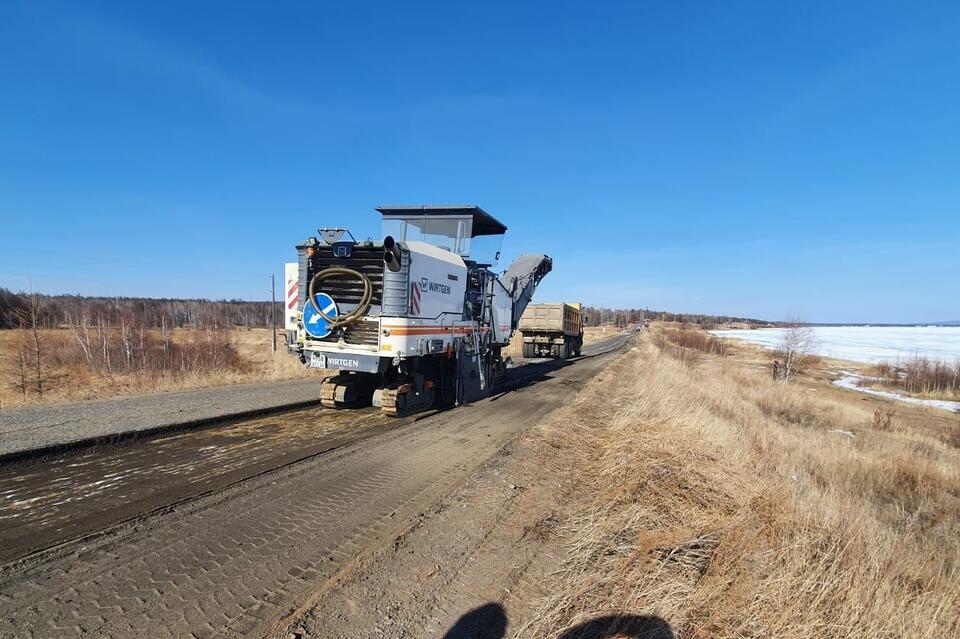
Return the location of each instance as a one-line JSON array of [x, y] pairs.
[[528, 352]]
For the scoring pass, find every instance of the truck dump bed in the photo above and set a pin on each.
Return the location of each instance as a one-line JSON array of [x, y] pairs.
[[552, 318]]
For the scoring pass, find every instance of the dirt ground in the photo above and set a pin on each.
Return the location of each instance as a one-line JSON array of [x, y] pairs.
[[490, 543]]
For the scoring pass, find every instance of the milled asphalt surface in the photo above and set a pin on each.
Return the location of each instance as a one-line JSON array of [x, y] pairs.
[[41, 427], [58, 495], [241, 561]]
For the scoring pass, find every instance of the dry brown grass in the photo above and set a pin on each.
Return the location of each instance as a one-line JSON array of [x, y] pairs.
[[241, 355], [696, 340], [732, 505]]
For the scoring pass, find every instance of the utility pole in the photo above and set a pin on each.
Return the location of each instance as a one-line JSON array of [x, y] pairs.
[[273, 309]]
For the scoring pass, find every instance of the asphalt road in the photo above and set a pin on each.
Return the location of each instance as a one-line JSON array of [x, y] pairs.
[[223, 531]]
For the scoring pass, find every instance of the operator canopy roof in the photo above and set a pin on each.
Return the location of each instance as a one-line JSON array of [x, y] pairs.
[[483, 222]]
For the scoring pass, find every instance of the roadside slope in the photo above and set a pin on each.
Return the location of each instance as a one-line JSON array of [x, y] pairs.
[[732, 505]]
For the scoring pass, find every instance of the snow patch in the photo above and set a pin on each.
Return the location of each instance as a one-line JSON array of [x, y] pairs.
[[851, 381]]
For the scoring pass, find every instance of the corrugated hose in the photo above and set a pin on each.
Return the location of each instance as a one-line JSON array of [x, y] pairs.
[[362, 307]]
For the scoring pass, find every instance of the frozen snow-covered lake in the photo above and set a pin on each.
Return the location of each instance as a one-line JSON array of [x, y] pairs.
[[868, 343]]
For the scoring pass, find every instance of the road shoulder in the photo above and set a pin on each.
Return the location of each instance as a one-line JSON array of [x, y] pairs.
[[40, 430]]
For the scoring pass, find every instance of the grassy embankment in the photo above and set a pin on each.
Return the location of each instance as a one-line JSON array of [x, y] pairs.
[[733, 505]]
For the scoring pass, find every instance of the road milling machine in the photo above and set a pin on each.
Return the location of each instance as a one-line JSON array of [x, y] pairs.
[[416, 320]]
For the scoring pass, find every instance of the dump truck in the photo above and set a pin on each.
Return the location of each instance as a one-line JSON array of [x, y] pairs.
[[552, 330], [416, 320]]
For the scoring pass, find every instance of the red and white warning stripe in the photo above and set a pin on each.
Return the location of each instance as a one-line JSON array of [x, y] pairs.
[[415, 298], [291, 284], [293, 294]]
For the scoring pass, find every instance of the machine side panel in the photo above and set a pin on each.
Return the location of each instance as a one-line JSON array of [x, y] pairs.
[[437, 282], [410, 337]]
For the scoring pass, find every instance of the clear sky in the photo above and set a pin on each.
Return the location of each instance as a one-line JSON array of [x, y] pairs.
[[762, 159]]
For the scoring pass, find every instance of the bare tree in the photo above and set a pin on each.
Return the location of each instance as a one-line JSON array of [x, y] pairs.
[[21, 361], [79, 325], [31, 345], [797, 344], [37, 342]]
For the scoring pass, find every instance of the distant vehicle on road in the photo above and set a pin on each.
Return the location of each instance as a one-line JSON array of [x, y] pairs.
[[552, 330]]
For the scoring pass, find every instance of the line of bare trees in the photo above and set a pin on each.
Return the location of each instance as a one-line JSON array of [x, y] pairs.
[[152, 312], [108, 338], [126, 344], [922, 375], [621, 317]]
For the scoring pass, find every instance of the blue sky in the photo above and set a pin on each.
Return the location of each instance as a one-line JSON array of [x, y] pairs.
[[759, 159]]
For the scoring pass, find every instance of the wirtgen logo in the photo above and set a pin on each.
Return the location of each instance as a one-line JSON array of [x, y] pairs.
[[434, 287], [343, 362]]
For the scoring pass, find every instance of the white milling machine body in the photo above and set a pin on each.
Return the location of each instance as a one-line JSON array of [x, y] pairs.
[[415, 320]]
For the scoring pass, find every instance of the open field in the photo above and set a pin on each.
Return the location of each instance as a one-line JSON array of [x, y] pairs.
[[202, 359]]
